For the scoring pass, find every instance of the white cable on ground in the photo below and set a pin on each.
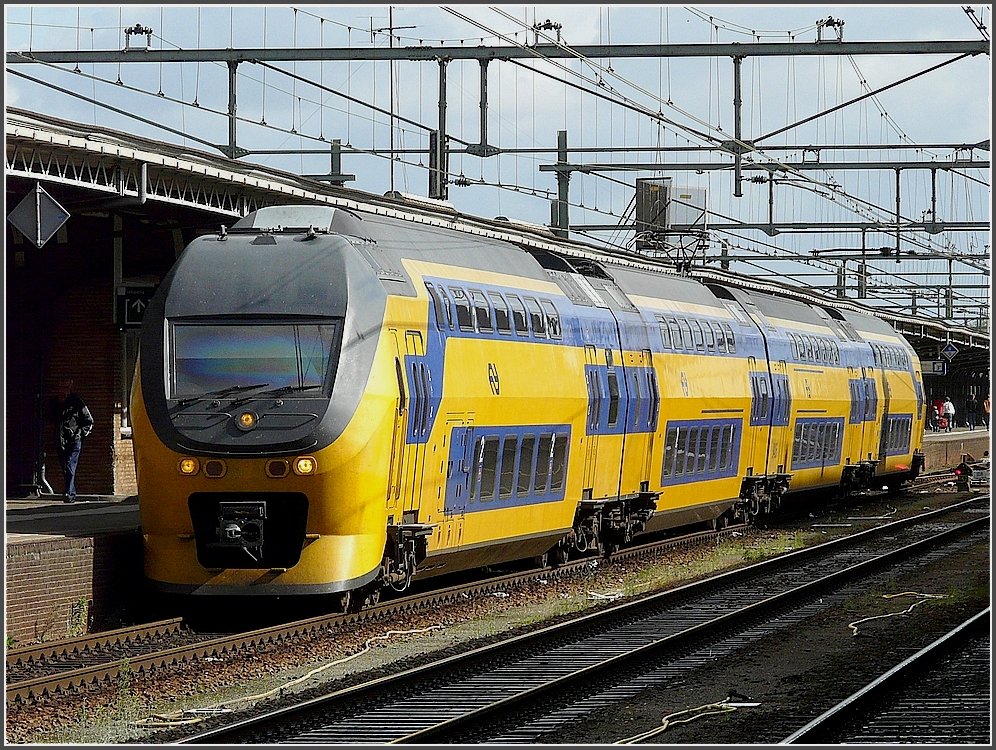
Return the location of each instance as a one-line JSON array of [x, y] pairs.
[[177, 719], [698, 712], [923, 597]]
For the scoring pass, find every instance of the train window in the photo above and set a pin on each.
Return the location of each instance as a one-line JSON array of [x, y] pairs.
[[655, 399], [489, 468], [589, 377], [720, 336], [527, 450], [710, 336], [476, 469], [687, 343], [636, 395], [697, 336], [795, 346], [714, 448], [552, 318], [465, 318], [544, 450], [665, 333], [700, 450], [535, 317], [726, 446], [482, 311], [510, 449], [796, 442], [731, 342], [559, 468], [613, 398], [670, 449], [519, 322], [502, 322], [675, 333], [447, 319], [681, 444], [437, 306], [835, 353]]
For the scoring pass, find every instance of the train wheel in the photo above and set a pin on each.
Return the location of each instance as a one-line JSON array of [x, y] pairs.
[[560, 555]]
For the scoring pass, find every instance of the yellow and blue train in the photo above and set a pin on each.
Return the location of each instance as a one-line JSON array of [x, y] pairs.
[[332, 401]]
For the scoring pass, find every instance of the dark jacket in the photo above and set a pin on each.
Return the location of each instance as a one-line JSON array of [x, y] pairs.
[[73, 419]]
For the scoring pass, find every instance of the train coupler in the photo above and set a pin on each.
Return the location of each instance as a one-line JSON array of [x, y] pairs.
[[407, 546]]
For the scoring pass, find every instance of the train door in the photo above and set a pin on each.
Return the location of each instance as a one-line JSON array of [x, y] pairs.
[[752, 437], [395, 479], [883, 438], [595, 398], [459, 449], [777, 442], [419, 419], [650, 408]]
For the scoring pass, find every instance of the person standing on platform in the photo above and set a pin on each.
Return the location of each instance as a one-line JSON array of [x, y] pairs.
[[971, 411], [949, 412], [934, 420], [985, 411], [73, 424]]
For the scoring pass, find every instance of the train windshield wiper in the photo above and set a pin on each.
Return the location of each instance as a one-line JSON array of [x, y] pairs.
[[221, 392], [290, 388]]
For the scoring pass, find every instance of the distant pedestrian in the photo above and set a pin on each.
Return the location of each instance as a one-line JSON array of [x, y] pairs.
[[948, 410], [971, 411], [73, 423], [934, 419], [985, 411]]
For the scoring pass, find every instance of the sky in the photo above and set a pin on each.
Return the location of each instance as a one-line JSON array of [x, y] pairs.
[[529, 103]]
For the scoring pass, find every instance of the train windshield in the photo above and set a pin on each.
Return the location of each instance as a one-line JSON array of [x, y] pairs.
[[216, 359]]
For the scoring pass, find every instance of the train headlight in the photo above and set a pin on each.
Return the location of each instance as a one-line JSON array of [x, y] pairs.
[[246, 420], [189, 466], [305, 465]]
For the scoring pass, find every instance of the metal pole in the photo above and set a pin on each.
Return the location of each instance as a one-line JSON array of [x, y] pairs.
[[390, 75], [440, 190], [737, 175], [898, 216], [563, 180], [232, 143]]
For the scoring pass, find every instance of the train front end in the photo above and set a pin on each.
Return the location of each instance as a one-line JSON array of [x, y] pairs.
[[259, 421]]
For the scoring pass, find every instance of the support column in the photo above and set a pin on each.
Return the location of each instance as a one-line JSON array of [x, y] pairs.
[[560, 216], [737, 157], [232, 150], [438, 164]]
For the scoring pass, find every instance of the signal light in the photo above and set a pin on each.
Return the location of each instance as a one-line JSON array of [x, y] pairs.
[[305, 465], [188, 466]]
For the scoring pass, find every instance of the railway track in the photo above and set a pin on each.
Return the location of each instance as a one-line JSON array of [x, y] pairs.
[[938, 695], [522, 688], [61, 667]]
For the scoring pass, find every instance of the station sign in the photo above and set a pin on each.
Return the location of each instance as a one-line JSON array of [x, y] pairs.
[[949, 351], [132, 299], [934, 367]]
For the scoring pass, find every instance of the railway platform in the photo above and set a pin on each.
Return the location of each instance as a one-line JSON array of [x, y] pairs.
[[74, 567]]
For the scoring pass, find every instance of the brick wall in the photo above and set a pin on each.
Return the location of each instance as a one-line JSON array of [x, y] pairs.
[[59, 587], [947, 453]]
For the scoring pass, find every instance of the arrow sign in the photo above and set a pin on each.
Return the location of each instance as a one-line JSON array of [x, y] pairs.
[[132, 301], [949, 351]]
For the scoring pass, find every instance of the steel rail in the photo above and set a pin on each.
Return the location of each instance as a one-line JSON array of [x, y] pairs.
[[567, 630], [845, 711]]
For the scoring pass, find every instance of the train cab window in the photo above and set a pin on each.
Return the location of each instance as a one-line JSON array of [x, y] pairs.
[[482, 311], [675, 333], [506, 482], [519, 320], [536, 317], [552, 318], [502, 322], [527, 450], [720, 336], [465, 319], [544, 449], [697, 336], [489, 468], [670, 449], [731, 341], [559, 463]]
